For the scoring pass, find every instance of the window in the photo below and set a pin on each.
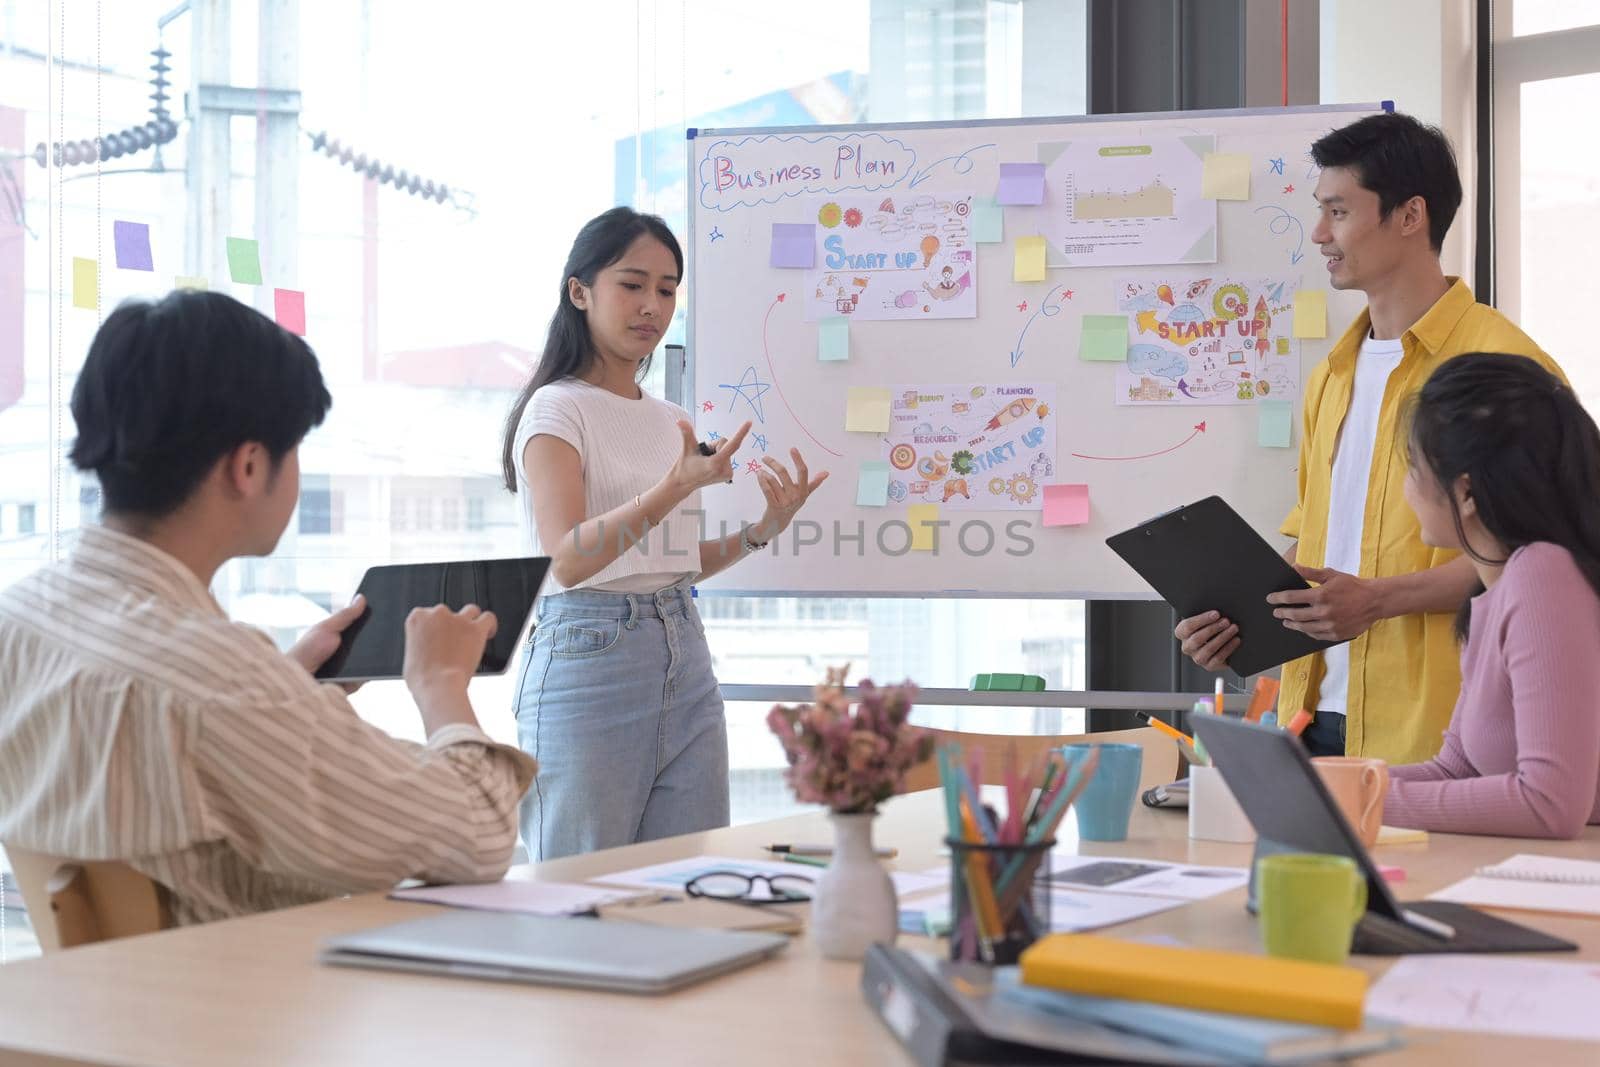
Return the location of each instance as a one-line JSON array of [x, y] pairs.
[[321, 507], [475, 523], [449, 513], [25, 518]]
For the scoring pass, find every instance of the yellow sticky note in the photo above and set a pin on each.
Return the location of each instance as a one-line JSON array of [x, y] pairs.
[[85, 283], [920, 517], [1029, 265], [190, 281], [1311, 313], [866, 410], [1225, 176]]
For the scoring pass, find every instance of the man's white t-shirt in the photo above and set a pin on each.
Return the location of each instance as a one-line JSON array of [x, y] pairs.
[[1347, 506]]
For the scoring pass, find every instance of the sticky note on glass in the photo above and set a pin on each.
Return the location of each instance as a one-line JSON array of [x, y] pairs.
[[794, 244], [833, 339], [289, 308], [190, 281], [244, 260], [85, 283], [866, 410], [133, 245], [921, 517], [1225, 176], [1104, 339], [1274, 423], [1066, 505], [1311, 313], [872, 484], [987, 221], [1029, 265], [1020, 183]]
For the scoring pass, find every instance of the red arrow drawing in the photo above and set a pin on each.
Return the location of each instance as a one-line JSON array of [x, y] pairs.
[[1199, 428], [772, 373]]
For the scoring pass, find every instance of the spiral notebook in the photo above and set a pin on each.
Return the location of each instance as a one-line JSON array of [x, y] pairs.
[[1531, 883]]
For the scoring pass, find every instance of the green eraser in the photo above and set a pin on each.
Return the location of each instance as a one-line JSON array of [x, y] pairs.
[[1007, 683], [1032, 683]]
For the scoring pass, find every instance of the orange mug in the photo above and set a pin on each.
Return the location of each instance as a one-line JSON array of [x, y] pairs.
[[1358, 785]]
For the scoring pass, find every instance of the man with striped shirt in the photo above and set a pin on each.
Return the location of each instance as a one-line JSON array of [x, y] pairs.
[[138, 723]]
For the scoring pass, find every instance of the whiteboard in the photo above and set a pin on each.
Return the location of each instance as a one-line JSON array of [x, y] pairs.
[[968, 337]]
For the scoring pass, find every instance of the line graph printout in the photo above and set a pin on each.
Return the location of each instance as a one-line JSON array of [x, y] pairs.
[[1132, 201]]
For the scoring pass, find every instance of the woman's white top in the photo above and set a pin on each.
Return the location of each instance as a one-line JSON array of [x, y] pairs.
[[625, 447]]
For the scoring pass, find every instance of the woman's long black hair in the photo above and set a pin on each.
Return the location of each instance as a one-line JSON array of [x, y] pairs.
[[1530, 451], [568, 347]]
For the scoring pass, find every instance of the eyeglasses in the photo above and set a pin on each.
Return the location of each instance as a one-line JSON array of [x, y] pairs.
[[736, 885]]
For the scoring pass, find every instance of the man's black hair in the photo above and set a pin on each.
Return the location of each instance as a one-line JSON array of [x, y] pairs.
[[171, 386], [1398, 158]]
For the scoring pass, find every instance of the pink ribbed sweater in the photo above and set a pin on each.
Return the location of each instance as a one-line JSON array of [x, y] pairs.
[[1521, 757]]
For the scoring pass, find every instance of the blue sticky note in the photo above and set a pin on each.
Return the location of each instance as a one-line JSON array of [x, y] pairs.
[[133, 245], [1020, 183], [872, 484], [1274, 423], [794, 244], [833, 339], [988, 220]]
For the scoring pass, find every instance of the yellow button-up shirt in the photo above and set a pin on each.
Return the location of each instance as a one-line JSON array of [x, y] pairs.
[[1405, 672]]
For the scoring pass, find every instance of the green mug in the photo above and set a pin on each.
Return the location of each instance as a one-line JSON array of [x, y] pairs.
[[1309, 905]]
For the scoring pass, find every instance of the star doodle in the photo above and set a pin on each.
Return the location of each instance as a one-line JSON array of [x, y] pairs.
[[750, 389], [712, 435], [1288, 188], [706, 405], [716, 235], [1022, 306], [1276, 165], [752, 466], [1067, 294], [760, 439]]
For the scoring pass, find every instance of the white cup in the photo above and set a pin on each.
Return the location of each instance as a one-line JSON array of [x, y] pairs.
[[1214, 814]]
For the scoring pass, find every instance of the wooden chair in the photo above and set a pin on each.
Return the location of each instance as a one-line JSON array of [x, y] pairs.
[[1160, 764], [73, 902]]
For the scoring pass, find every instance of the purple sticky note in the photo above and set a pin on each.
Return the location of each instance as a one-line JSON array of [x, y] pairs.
[[1066, 505], [133, 245], [289, 308], [1020, 183], [794, 244]]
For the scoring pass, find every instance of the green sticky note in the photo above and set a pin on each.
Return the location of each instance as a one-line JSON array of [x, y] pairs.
[[85, 283], [833, 339], [1274, 423], [1225, 176], [1104, 338], [872, 484], [866, 410], [1311, 313], [988, 220], [244, 260], [1028, 265]]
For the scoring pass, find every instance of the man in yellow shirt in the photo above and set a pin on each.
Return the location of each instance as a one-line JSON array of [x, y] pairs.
[[1387, 194]]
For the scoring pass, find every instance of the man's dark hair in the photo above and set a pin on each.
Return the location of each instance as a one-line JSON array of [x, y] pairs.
[[1398, 158], [171, 386]]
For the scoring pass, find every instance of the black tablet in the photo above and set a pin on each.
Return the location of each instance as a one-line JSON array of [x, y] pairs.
[[374, 646], [1205, 557]]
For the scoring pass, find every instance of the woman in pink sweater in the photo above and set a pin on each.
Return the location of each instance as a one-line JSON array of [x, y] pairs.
[[1505, 466]]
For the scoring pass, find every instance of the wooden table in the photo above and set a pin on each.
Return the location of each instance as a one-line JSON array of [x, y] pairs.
[[249, 992]]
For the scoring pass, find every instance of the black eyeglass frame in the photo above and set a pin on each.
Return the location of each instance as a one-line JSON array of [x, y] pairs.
[[780, 896]]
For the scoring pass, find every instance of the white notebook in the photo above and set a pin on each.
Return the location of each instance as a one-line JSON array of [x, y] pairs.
[[1532, 883]]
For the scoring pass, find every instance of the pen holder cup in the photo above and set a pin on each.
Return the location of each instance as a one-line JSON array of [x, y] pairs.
[[999, 899], [1214, 812]]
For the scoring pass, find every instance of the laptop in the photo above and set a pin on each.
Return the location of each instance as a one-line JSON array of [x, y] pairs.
[[1275, 783], [617, 956]]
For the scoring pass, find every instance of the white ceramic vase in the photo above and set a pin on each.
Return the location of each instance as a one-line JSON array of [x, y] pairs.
[[854, 904]]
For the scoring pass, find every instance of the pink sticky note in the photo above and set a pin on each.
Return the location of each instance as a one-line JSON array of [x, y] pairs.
[[1066, 505], [289, 308]]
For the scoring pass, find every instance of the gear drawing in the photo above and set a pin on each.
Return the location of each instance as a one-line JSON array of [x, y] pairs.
[[1022, 488]]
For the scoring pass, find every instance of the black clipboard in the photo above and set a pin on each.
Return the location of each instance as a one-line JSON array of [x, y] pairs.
[[1205, 557]]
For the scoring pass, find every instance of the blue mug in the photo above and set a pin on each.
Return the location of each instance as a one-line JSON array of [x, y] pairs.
[[1107, 801]]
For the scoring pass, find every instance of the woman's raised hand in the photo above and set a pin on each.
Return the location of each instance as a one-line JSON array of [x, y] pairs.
[[695, 470]]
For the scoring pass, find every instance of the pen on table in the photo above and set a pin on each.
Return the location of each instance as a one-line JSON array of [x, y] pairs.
[[1427, 924], [809, 861], [1171, 731], [827, 850]]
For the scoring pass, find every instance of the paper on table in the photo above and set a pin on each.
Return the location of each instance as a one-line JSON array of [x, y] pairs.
[[794, 244], [289, 308], [921, 518], [1028, 263], [1071, 911], [1111, 874], [1020, 183], [872, 484], [85, 283], [1225, 176], [866, 409], [518, 894], [132, 240], [675, 874], [244, 260], [1066, 505], [1103, 338], [833, 339], [1531, 883], [1274, 423], [987, 221], [1491, 994], [1311, 313]]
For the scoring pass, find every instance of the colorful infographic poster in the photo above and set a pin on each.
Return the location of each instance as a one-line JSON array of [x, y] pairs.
[[1208, 340], [895, 257], [983, 447], [1118, 203]]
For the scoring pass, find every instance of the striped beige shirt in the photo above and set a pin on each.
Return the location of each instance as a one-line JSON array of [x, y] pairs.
[[138, 723]]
